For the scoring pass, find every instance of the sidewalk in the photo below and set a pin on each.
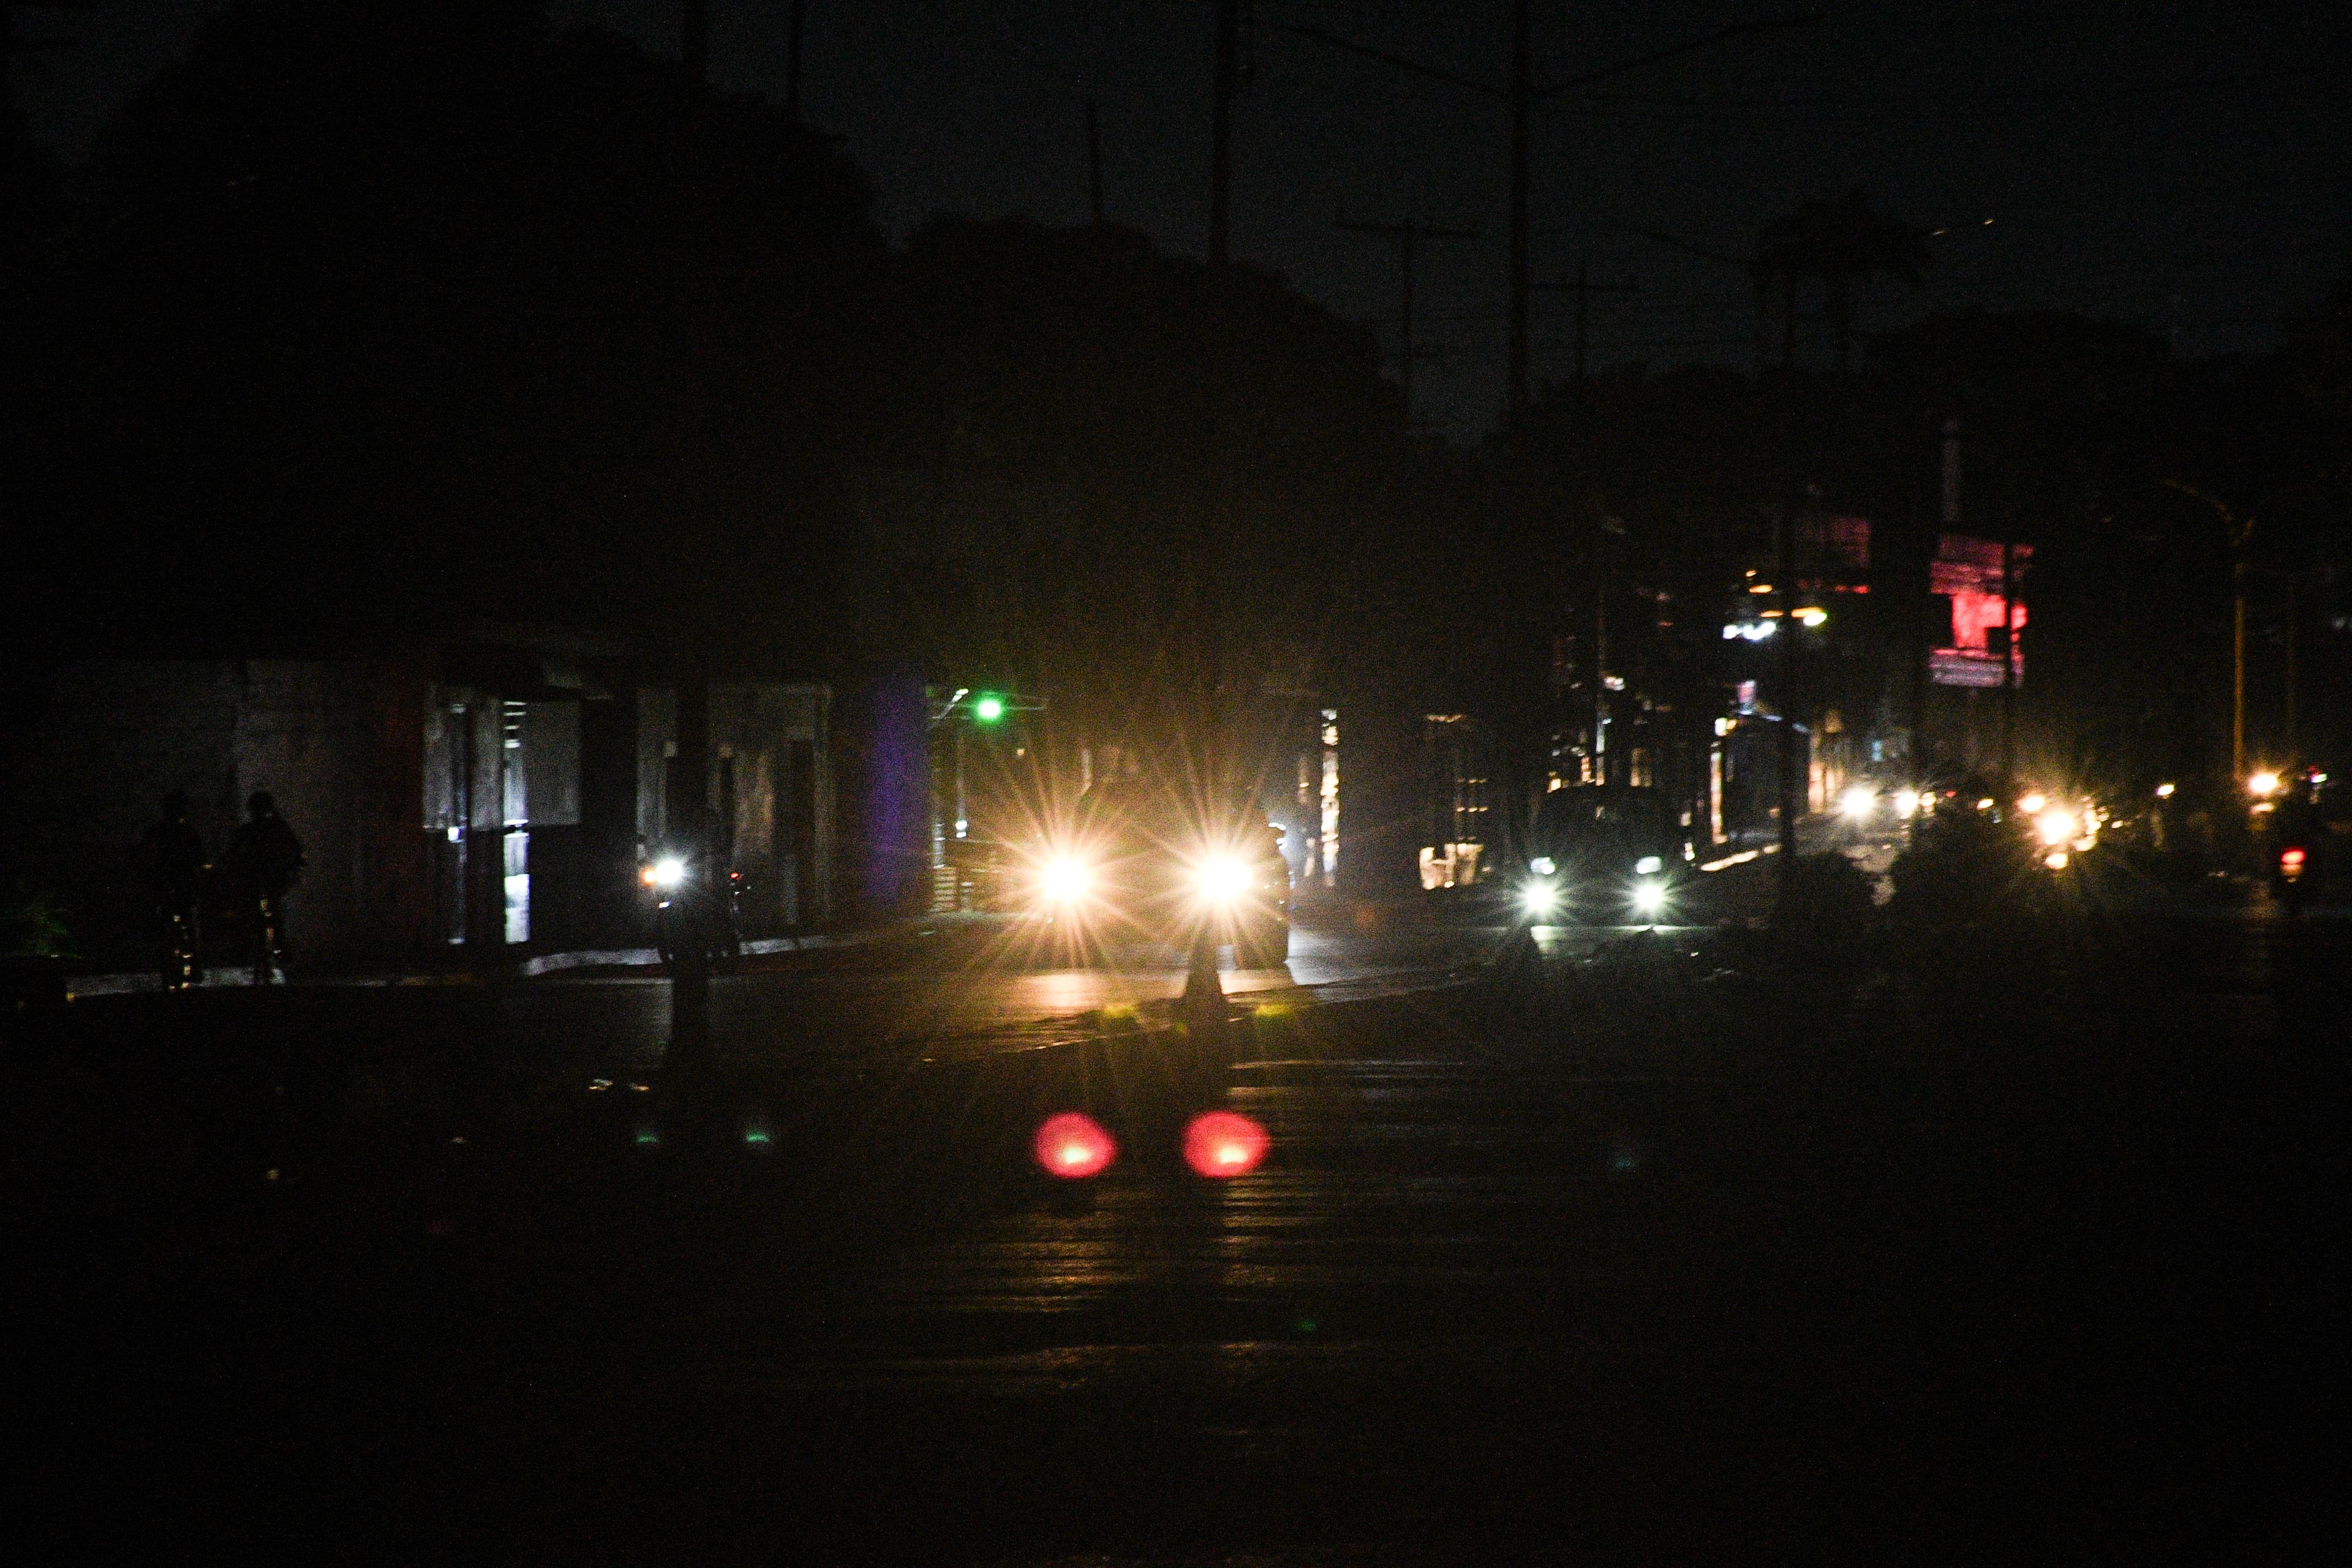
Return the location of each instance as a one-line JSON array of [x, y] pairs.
[[240, 977]]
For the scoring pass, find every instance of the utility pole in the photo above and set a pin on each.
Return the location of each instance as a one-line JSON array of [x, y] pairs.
[[793, 28], [1583, 288], [1791, 788], [1521, 94], [2239, 533], [2293, 741], [1094, 164], [1522, 100], [694, 40], [2008, 660], [1226, 86], [689, 1049], [689, 823], [1407, 235], [2237, 660]]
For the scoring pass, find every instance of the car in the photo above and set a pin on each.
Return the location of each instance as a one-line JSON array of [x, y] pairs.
[[1139, 859], [1603, 852]]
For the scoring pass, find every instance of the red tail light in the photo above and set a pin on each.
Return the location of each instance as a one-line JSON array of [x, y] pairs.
[[2291, 858], [1223, 1144], [1073, 1146]]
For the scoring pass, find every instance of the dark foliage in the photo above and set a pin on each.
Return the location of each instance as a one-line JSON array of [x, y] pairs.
[[1825, 905], [1965, 868]]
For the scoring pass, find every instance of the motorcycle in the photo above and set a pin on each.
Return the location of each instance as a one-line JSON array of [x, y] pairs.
[[2293, 876], [694, 910]]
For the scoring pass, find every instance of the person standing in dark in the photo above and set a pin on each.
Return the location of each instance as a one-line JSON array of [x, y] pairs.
[[264, 860], [172, 858]]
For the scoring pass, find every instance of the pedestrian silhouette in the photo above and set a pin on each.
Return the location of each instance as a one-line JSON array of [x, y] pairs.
[[172, 864], [264, 860]]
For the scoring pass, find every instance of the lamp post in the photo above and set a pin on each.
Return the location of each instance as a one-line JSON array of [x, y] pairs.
[[2239, 533]]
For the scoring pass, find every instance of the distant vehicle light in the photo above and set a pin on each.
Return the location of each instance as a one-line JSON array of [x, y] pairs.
[[1543, 866], [1859, 801], [2056, 859], [1539, 898], [2263, 785], [2058, 826], [2291, 858], [1648, 866], [1222, 878], [1906, 802], [667, 873], [1072, 1146], [1811, 617], [1065, 879], [1223, 1144], [2165, 791], [2030, 804], [1985, 805], [1649, 897]]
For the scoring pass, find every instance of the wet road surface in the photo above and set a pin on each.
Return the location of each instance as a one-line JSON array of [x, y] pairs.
[[2017, 1253]]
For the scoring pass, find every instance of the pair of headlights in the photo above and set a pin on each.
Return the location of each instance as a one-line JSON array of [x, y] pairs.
[[1543, 898], [1218, 879]]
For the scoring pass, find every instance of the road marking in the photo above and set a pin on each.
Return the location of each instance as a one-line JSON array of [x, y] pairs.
[[1741, 858]]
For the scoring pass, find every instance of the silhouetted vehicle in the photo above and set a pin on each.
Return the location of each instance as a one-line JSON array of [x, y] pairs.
[[263, 863], [172, 864], [2306, 834], [1603, 852], [1140, 860], [690, 909]]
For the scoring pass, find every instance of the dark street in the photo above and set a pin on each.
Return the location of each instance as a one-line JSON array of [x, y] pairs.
[[1663, 1254], [1039, 785]]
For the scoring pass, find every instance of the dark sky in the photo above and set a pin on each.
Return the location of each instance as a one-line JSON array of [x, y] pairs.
[[2188, 166]]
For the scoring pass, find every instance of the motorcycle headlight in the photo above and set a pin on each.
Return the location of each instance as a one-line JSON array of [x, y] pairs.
[[667, 873], [1065, 878], [1539, 898], [2058, 826], [1649, 896], [1222, 878]]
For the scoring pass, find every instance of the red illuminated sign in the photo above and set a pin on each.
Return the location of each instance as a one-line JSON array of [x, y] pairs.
[[1973, 574]]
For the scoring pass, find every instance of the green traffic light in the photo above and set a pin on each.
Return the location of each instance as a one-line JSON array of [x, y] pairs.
[[989, 709]]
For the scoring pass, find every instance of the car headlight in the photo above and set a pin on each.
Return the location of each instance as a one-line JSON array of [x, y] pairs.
[[1859, 801], [1648, 866], [666, 873], [2058, 826], [1222, 878], [1065, 880], [1539, 898], [1543, 866], [1906, 802], [1649, 896]]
